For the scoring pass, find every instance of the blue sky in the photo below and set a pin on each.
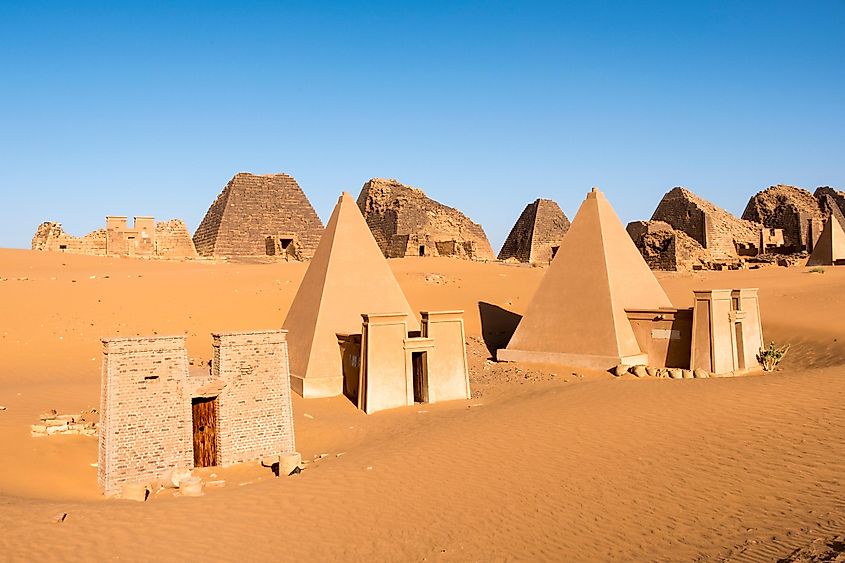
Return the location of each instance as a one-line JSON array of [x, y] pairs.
[[150, 108]]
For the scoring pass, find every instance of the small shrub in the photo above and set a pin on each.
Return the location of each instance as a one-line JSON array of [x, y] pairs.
[[816, 270], [771, 356]]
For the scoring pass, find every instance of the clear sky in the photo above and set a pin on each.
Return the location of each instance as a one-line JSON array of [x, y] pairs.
[[150, 108]]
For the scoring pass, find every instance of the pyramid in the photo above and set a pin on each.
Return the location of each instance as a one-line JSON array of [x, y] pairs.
[[253, 214], [347, 277], [830, 247], [577, 317], [536, 235]]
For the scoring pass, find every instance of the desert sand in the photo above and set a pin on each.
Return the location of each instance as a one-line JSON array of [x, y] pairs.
[[543, 463]]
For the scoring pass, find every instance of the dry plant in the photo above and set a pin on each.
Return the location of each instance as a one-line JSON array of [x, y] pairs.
[[771, 356], [816, 270]]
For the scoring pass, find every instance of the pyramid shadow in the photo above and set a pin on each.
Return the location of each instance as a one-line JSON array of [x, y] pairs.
[[497, 326]]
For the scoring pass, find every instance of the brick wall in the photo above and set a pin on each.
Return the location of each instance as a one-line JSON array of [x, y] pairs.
[[403, 219], [250, 209], [256, 417], [665, 248], [145, 415]]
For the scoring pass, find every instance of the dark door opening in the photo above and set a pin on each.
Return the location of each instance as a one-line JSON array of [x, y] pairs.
[[422, 250], [205, 431], [284, 243], [740, 347], [554, 251], [419, 361]]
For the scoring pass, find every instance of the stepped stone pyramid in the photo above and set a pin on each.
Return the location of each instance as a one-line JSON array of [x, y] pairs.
[[536, 235], [259, 216], [348, 276], [577, 317], [830, 248]]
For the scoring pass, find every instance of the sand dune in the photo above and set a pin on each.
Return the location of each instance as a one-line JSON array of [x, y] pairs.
[[543, 464]]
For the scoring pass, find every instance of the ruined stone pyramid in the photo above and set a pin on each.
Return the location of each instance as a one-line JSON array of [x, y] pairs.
[[536, 235], [347, 277], [259, 215], [830, 247], [577, 317]]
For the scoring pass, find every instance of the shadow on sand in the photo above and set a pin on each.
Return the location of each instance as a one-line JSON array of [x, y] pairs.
[[497, 326]]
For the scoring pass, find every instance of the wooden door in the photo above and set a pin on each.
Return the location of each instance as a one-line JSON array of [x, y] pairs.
[[205, 431]]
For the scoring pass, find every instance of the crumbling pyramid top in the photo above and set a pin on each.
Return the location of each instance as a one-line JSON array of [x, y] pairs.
[[254, 210], [536, 235], [577, 316], [714, 228], [347, 277], [406, 222]]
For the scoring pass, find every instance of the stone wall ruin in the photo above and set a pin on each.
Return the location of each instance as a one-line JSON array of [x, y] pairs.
[[146, 238]]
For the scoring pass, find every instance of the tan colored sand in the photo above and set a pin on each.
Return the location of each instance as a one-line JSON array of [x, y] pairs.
[[539, 466]]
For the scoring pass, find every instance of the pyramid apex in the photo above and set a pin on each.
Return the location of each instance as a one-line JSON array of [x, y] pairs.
[[594, 193], [345, 195]]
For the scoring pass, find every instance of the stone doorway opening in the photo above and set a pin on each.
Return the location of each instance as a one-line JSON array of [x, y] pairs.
[[419, 364], [204, 410]]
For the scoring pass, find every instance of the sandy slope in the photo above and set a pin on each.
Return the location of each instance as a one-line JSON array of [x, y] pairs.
[[537, 466]]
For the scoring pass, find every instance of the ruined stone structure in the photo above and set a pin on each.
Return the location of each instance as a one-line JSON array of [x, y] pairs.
[[347, 277], [831, 201], [51, 237], [154, 416], [405, 222], [385, 366], [267, 215], [723, 236], [665, 248], [600, 306], [536, 235], [791, 209], [144, 239]]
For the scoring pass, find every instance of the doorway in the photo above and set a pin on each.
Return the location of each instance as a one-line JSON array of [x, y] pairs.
[[204, 411], [740, 347], [419, 363], [422, 250]]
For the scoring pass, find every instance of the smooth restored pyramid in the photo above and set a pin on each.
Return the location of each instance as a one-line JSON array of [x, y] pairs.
[[830, 248], [577, 317], [347, 277]]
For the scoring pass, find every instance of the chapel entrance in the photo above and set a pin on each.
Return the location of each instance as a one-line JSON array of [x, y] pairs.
[[419, 363], [205, 431]]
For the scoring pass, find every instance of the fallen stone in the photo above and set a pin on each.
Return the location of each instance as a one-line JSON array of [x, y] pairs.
[[56, 429], [38, 428], [675, 373], [700, 374], [639, 371], [173, 477], [134, 491], [619, 370], [191, 487], [60, 517], [287, 462], [653, 372], [687, 374]]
